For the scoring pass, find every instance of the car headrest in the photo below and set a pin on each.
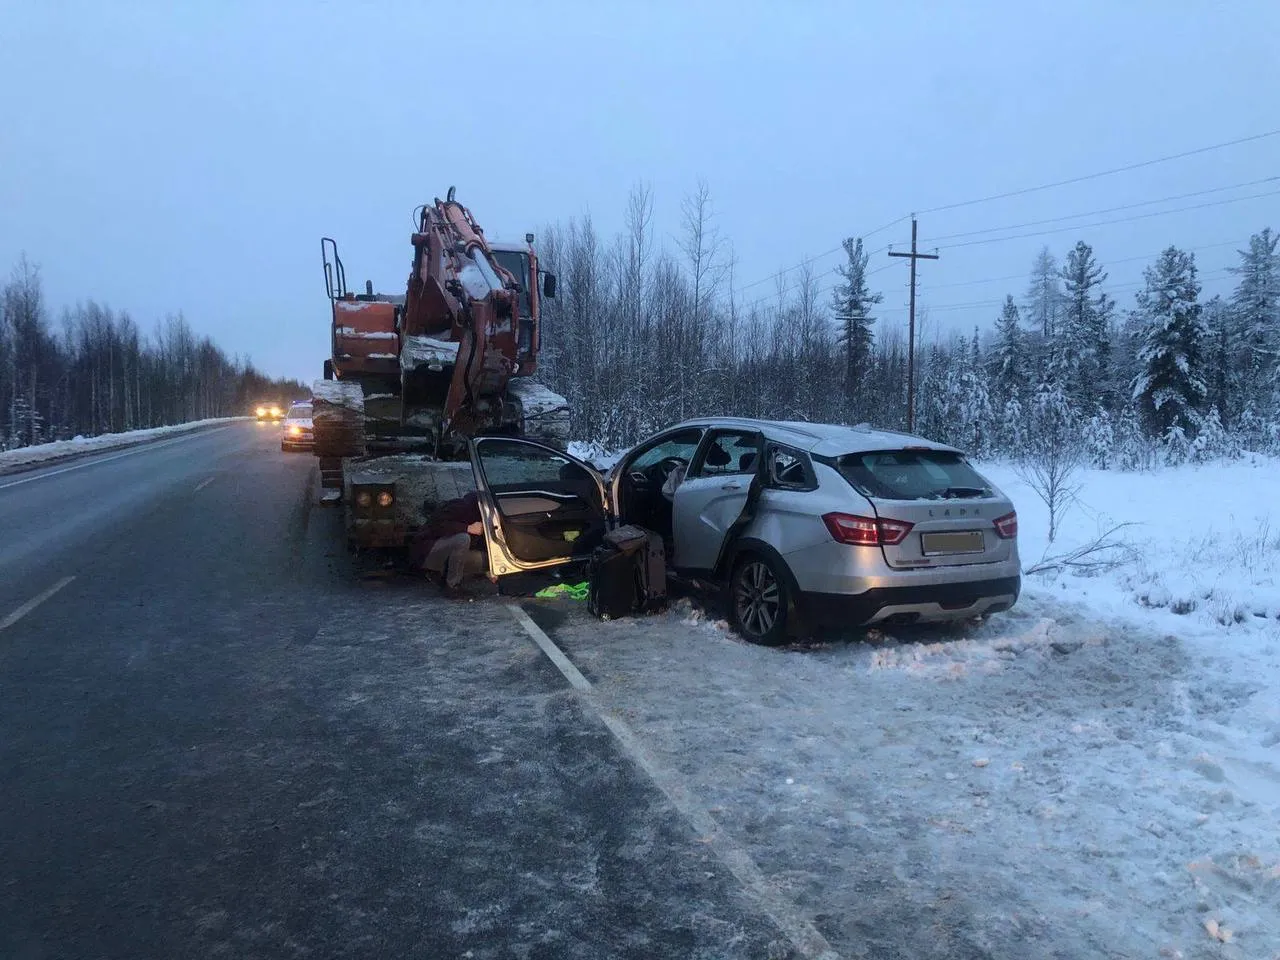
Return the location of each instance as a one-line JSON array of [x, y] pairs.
[[747, 461], [717, 456]]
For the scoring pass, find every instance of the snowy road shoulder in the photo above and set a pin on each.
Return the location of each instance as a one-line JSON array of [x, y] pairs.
[[21, 459], [1048, 783]]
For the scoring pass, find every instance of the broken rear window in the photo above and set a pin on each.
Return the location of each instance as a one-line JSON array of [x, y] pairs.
[[912, 475]]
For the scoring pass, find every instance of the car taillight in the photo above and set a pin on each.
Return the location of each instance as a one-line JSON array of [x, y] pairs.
[[865, 531], [1007, 526]]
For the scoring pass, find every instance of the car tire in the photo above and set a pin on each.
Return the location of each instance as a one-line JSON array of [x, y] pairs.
[[759, 600]]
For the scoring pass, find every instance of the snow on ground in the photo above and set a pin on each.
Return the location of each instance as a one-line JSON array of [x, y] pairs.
[[1205, 540], [46, 452], [1094, 773], [1046, 784]]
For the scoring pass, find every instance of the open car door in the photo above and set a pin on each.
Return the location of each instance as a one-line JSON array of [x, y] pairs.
[[540, 507], [717, 498]]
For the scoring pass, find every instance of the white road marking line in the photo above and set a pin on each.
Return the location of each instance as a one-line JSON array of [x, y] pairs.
[[93, 461], [31, 604], [802, 933], [204, 483]]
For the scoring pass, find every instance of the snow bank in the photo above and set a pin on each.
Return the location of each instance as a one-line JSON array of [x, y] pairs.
[[47, 452]]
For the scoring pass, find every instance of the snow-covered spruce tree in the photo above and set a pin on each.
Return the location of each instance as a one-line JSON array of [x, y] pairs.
[[852, 302], [933, 397], [1043, 310], [974, 414], [1007, 363], [1134, 450], [1082, 347], [1222, 374], [1213, 441], [1170, 389], [1256, 303], [1100, 439], [1011, 429]]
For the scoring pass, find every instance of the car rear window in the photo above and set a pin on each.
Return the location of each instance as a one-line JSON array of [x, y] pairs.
[[912, 475]]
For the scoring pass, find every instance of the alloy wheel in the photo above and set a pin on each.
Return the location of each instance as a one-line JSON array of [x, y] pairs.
[[757, 597]]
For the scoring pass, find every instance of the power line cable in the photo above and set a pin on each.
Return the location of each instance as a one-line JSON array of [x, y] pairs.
[[1096, 213], [1026, 190], [792, 287], [1109, 262], [1106, 223], [1219, 274], [1104, 173], [819, 256]]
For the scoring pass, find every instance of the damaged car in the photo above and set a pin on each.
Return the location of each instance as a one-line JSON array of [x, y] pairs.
[[801, 523]]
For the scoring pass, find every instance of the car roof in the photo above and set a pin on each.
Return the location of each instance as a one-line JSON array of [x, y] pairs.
[[823, 439]]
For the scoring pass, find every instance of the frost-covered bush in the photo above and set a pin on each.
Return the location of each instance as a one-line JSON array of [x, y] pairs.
[[1175, 447], [1100, 440], [1213, 441], [1133, 450]]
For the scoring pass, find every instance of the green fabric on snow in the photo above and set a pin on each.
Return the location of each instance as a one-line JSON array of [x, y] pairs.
[[574, 591]]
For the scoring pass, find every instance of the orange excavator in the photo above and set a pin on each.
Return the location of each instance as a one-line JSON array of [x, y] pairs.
[[412, 377]]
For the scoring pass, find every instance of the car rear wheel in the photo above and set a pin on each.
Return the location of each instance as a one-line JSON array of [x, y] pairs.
[[759, 600]]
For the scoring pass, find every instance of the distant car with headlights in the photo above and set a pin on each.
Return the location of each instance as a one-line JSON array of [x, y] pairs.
[[297, 433], [270, 411]]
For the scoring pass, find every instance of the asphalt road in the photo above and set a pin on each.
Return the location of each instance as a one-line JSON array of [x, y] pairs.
[[217, 741]]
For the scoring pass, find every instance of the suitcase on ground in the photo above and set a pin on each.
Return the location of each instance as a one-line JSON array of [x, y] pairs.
[[653, 592], [627, 574], [611, 583]]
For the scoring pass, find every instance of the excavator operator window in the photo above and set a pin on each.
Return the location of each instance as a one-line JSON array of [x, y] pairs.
[[517, 264]]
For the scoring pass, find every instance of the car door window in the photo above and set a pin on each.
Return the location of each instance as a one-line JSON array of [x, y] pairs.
[[681, 445], [726, 453], [789, 469]]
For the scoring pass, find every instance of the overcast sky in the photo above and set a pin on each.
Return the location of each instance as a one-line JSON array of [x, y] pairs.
[[189, 155]]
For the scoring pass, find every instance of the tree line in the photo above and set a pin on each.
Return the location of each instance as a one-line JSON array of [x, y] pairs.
[[641, 336], [100, 373]]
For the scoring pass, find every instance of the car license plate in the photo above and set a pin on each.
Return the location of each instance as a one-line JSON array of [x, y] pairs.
[[959, 541]]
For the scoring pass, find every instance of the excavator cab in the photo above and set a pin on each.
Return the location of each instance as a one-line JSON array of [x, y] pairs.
[[365, 326]]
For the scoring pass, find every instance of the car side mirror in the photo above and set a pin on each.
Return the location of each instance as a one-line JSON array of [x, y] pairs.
[[549, 286]]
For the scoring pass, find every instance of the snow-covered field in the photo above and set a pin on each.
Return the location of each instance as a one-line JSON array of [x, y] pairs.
[[1204, 541], [1094, 773], [60, 449]]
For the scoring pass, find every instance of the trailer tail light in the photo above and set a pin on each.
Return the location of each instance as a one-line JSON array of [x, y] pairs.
[[1007, 526], [865, 531]]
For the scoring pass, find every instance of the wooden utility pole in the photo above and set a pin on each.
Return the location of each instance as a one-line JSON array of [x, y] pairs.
[[911, 326]]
